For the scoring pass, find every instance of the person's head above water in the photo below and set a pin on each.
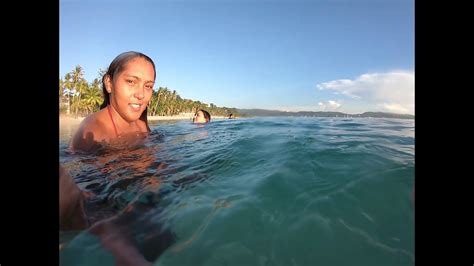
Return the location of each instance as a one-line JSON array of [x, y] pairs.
[[201, 116], [128, 72], [127, 86]]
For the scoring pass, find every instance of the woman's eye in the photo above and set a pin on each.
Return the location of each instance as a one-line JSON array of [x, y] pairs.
[[130, 82]]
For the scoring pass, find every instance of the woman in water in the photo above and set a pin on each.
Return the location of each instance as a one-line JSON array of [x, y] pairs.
[[201, 117], [127, 86]]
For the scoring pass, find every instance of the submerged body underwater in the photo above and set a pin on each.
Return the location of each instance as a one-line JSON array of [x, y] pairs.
[[254, 191]]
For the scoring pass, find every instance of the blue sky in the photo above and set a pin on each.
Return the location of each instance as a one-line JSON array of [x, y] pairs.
[[339, 55]]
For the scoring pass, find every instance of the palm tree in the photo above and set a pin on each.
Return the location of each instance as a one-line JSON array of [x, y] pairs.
[[61, 91], [68, 86], [92, 99], [152, 104], [80, 84], [85, 98]]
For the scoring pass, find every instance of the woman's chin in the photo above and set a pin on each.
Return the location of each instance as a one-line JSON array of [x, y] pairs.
[[133, 117]]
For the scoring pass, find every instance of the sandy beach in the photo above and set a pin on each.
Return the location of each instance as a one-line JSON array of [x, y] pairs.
[[71, 120], [69, 124]]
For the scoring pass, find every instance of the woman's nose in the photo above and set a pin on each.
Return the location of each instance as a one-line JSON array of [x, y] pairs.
[[139, 93]]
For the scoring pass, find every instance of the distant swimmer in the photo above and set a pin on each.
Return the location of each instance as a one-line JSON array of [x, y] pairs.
[[201, 117]]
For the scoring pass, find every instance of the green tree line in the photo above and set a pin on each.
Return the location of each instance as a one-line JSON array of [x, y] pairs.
[[80, 98]]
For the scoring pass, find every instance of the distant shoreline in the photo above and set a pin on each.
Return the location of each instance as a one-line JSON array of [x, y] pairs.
[[70, 119], [68, 124], [263, 112]]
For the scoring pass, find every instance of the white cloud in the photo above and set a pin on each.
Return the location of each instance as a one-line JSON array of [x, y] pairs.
[[329, 105], [392, 92]]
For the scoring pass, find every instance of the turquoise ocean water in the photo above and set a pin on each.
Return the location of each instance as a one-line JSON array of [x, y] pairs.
[[258, 191]]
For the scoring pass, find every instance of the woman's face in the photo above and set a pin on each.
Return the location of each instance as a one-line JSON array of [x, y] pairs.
[[131, 90], [199, 117]]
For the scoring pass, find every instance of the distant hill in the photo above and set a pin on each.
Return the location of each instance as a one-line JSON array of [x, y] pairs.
[[263, 112], [387, 115]]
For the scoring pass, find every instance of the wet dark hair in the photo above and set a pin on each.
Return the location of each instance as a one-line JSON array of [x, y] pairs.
[[117, 66], [207, 116]]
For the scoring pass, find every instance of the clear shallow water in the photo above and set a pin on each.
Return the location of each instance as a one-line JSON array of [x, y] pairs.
[[260, 191]]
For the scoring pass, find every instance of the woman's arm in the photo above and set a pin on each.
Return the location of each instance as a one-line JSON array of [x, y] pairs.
[[71, 206], [119, 242]]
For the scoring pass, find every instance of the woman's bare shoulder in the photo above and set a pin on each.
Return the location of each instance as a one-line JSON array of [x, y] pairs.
[[92, 130]]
